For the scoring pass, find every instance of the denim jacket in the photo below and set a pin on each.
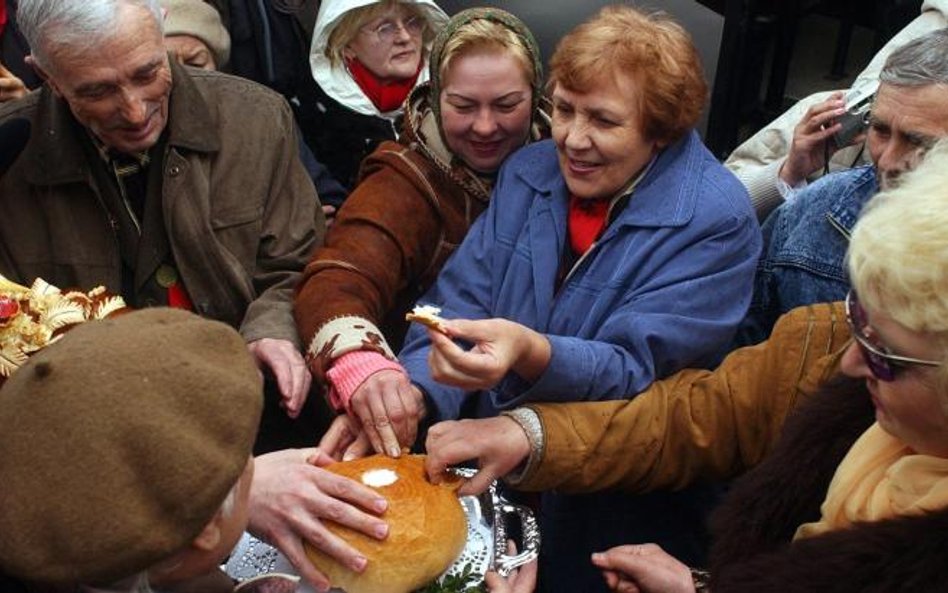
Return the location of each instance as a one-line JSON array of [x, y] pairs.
[[805, 244], [663, 288]]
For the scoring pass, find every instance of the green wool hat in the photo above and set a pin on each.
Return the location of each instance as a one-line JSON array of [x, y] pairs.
[[120, 442]]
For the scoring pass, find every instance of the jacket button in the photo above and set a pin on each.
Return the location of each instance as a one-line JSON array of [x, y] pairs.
[[173, 170]]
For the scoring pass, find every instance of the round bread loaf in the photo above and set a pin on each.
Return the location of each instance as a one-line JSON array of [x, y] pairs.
[[427, 528]]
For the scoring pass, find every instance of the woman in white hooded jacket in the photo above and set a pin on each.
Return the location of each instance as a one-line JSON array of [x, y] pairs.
[[366, 57]]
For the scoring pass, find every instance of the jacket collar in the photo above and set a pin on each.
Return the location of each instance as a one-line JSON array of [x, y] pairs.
[[851, 198], [54, 153], [192, 124], [666, 196]]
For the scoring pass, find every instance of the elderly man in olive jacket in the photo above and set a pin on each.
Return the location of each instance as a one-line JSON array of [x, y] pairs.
[[167, 185]]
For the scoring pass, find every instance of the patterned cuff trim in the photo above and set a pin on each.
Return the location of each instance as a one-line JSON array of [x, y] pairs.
[[347, 334]]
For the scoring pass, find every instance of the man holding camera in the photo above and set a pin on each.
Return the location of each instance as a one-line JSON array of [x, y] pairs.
[[778, 161], [805, 240]]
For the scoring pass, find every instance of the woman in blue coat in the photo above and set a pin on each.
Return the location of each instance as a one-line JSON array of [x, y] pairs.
[[611, 255], [614, 254]]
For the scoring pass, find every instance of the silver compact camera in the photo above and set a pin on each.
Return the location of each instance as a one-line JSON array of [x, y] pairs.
[[856, 118]]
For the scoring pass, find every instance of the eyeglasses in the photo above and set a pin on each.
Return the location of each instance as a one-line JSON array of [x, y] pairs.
[[387, 30], [883, 365]]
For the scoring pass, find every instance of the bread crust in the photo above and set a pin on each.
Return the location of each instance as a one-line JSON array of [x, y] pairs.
[[427, 529]]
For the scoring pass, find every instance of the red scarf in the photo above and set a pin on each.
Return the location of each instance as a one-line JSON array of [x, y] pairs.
[[587, 218], [178, 298], [3, 16], [386, 96]]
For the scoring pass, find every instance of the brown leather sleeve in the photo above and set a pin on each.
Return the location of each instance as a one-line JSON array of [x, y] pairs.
[[383, 238]]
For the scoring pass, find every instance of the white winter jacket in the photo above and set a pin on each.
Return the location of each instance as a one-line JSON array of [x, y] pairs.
[[337, 82]]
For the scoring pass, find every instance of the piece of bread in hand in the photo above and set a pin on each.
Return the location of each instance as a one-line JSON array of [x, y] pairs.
[[427, 528], [427, 315]]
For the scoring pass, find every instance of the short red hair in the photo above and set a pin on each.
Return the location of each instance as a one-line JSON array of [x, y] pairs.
[[652, 49]]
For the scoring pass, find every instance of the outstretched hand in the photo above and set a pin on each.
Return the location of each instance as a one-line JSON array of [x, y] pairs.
[[521, 580], [500, 346], [387, 409], [291, 497], [645, 568], [345, 439], [284, 361], [498, 444]]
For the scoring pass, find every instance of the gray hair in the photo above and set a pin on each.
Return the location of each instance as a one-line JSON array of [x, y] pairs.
[[74, 23], [919, 62]]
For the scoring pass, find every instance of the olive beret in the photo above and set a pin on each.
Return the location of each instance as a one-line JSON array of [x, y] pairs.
[[120, 442]]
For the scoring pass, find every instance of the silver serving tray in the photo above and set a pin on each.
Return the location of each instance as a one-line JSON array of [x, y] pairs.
[[488, 518]]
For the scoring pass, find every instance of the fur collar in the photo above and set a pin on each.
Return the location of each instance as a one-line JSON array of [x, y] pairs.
[[754, 526]]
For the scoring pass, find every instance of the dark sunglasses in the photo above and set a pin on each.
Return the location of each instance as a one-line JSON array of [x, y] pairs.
[[883, 365]]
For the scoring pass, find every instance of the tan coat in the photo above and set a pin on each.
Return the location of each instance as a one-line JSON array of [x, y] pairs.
[[240, 213], [695, 424]]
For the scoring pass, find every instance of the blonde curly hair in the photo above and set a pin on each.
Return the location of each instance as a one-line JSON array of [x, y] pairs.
[[898, 254]]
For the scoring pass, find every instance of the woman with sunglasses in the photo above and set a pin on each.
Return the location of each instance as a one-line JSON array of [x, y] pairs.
[[850, 494], [366, 56]]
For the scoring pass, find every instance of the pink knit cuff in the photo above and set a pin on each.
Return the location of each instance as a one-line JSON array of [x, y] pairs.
[[350, 371]]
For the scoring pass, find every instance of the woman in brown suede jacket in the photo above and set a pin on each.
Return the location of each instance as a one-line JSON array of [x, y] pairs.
[[414, 204]]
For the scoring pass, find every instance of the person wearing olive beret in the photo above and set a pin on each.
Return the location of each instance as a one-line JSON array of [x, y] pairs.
[[125, 451]]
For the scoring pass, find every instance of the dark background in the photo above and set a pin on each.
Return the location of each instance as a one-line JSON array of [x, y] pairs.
[[759, 56], [551, 19]]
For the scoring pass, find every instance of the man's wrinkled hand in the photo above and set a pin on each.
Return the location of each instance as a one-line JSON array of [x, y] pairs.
[[292, 497], [286, 364], [812, 142]]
